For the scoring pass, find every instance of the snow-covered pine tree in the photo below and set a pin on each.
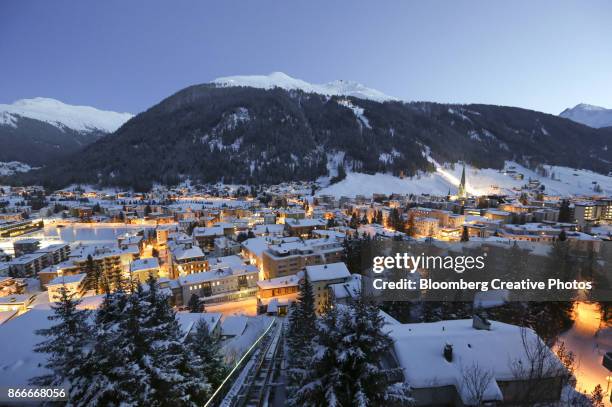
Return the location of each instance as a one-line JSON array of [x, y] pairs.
[[316, 385], [301, 330], [111, 374], [208, 351], [173, 379], [66, 341], [345, 366], [366, 383]]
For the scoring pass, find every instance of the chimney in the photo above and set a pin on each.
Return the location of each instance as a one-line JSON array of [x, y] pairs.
[[448, 352], [481, 323]]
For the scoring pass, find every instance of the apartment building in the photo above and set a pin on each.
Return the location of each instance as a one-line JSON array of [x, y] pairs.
[[288, 258]]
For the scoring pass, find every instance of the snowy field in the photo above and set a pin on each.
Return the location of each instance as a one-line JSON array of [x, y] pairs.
[[567, 181]]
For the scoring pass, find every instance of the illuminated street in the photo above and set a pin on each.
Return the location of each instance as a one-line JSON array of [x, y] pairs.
[[589, 342]]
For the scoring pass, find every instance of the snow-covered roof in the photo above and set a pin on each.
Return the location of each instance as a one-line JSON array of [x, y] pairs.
[[350, 288], [67, 279], [234, 325], [279, 282], [420, 352], [191, 253], [256, 245], [197, 278], [188, 320], [331, 271], [225, 261], [144, 264]]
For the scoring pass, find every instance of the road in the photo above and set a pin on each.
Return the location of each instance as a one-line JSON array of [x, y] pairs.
[[589, 341]]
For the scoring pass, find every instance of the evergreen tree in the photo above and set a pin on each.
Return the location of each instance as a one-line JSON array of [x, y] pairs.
[[208, 349], [597, 397], [93, 275], [170, 371], [301, 330], [345, 370], [379, 217], [194, 304], [465, 235], [354, 222], [66, 341], [562, 236], [565, 214]]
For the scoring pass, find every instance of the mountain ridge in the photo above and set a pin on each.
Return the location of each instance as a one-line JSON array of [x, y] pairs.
[[265, 135], [589, 115]]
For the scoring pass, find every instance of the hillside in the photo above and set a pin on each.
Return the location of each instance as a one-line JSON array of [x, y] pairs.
[[257, 132]]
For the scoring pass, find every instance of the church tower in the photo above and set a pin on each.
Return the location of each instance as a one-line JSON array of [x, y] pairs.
[[462, 193]]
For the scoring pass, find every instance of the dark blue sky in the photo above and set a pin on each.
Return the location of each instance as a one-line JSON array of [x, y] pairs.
[[128, 55]]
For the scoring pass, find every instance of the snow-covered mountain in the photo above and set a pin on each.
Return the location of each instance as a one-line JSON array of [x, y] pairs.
[[281, 80], [593, 116], [41, 130], [61, 115]]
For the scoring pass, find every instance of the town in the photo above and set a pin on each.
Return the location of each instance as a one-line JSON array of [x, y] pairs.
[[238, 257]]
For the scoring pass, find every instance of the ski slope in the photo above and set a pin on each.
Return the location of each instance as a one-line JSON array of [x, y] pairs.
[[567, 181]]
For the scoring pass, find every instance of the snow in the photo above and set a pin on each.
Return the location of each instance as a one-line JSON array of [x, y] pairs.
[[284, 81], [325, 272], [593, 116], [567, 181], [357, 111], [234, 325], [419, 349], [18, 363], [61, 115], [188, 320], [67, 279], [11, 167]]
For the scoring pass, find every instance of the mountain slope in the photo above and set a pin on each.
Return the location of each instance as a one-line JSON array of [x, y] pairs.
[[593, 116], [270, 133], [38, 131]]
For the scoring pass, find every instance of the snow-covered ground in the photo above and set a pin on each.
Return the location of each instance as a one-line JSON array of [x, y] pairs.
[[80, 118], [567, 181], [11, 167], [281, 80]]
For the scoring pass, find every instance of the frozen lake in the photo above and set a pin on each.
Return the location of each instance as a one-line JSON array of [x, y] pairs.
[[85, 233]]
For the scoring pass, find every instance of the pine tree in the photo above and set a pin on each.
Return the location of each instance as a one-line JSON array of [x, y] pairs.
[[597, 397], [208, 349], [344, 369], [93, 277], [562, 236], [565, 212], [465, 235], [194, 304], [171, 375], [354, 222], [379, 217], [66, 341], [301, 330], [110, 368]]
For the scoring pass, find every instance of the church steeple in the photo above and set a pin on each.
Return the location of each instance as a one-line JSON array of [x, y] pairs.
[[462, 193]]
